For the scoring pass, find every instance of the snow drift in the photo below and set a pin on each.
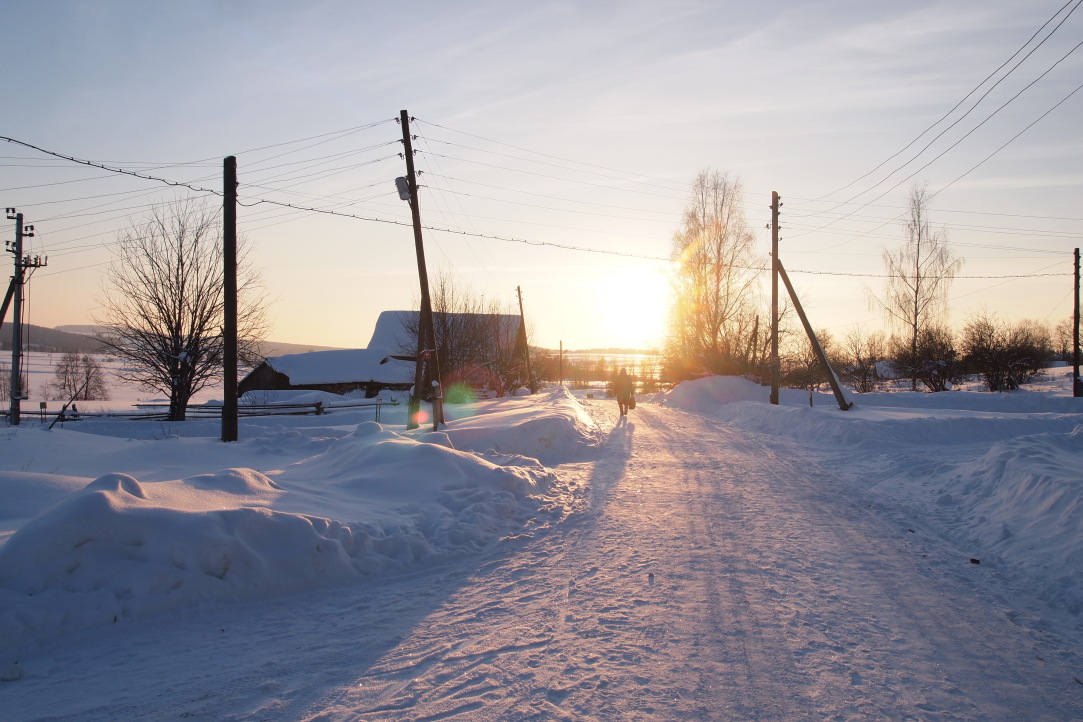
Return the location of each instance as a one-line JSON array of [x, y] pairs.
[[119, 548], [996, 473]]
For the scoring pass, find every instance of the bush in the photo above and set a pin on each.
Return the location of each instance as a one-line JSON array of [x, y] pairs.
[[1006, 356], [936, 363]]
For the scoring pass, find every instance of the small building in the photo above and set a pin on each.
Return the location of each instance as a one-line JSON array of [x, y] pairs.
[[341, 371], [373, 369], [338, 371]]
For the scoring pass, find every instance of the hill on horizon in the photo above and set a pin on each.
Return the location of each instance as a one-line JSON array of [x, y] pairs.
[[77, 338]]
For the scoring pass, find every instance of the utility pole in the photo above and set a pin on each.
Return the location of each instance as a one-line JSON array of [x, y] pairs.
[[229, 299], [1077, 383], [15, 291], [776, 368], [560, 364], [426, 335], [526, 344]]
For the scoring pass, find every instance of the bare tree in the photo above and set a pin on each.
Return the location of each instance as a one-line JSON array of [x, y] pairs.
[[802, 364], [918, 277], [715, 325], [1063, 339], [163, 304], [78, 377], [477, 341], [861, 354]]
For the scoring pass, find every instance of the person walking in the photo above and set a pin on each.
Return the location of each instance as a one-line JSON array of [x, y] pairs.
[[622, 387]]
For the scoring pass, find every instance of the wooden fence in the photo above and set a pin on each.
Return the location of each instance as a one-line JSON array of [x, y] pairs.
[[159, 412]]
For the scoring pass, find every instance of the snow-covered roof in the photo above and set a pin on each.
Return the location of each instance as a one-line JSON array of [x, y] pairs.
[[364, 365], [343, 365], [390, 331]]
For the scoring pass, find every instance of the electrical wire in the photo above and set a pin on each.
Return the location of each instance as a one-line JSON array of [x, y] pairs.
[[311, 209], [964, 99], [551, 177], [967, 135], [1010, 140], [547, 155]]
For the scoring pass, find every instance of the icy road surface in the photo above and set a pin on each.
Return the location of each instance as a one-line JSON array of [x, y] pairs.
[[709, 574]]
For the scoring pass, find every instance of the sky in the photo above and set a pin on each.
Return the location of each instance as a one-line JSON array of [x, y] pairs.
[[556, 144]]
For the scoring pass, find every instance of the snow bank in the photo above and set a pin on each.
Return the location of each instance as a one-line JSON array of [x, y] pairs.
[[120, 548], [879, 418], [557, 430], [998, 474], [1022, 504]]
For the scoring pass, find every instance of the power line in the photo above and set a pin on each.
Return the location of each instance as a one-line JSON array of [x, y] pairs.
[[122, 171], [547, 155], [985, 120], [551, 177], [1010, 140], [964, 99], [561, 210], [552, 165], [338, 133], [569, 247], [960, 140], [555, 198]]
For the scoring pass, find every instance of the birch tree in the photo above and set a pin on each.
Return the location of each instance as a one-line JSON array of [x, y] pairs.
[[716, 326], [919, 275]]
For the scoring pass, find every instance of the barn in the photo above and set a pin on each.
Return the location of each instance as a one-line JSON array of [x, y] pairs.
[[372, 369], [339, 371]]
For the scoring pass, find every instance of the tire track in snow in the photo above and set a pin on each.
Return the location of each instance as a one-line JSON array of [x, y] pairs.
[[873, 631], [628, 613], [715, 575]]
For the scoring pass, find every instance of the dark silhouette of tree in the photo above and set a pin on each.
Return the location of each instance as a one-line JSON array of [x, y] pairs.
[[1006, 355], [933, 361], [79, 377], [475, 337], [860, 355], [163, 304]]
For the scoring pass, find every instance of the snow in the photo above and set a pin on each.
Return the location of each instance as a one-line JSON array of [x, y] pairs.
[[390, 330], [1020, 502], [710, 556]]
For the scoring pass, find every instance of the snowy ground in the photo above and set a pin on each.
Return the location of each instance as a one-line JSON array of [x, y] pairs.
[[710, 557]]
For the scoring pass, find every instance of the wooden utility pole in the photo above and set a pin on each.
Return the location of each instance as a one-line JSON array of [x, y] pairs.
[[15, 292], [776, 367], [17, 326], [526, 344], [229, 299], [426, 335], [1077, 383], [560, 364], [844, 403]]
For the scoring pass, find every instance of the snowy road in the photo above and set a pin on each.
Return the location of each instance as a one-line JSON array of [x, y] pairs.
[[710, 575]]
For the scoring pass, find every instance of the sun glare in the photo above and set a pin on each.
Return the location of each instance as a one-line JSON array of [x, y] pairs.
[[633, 303]]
